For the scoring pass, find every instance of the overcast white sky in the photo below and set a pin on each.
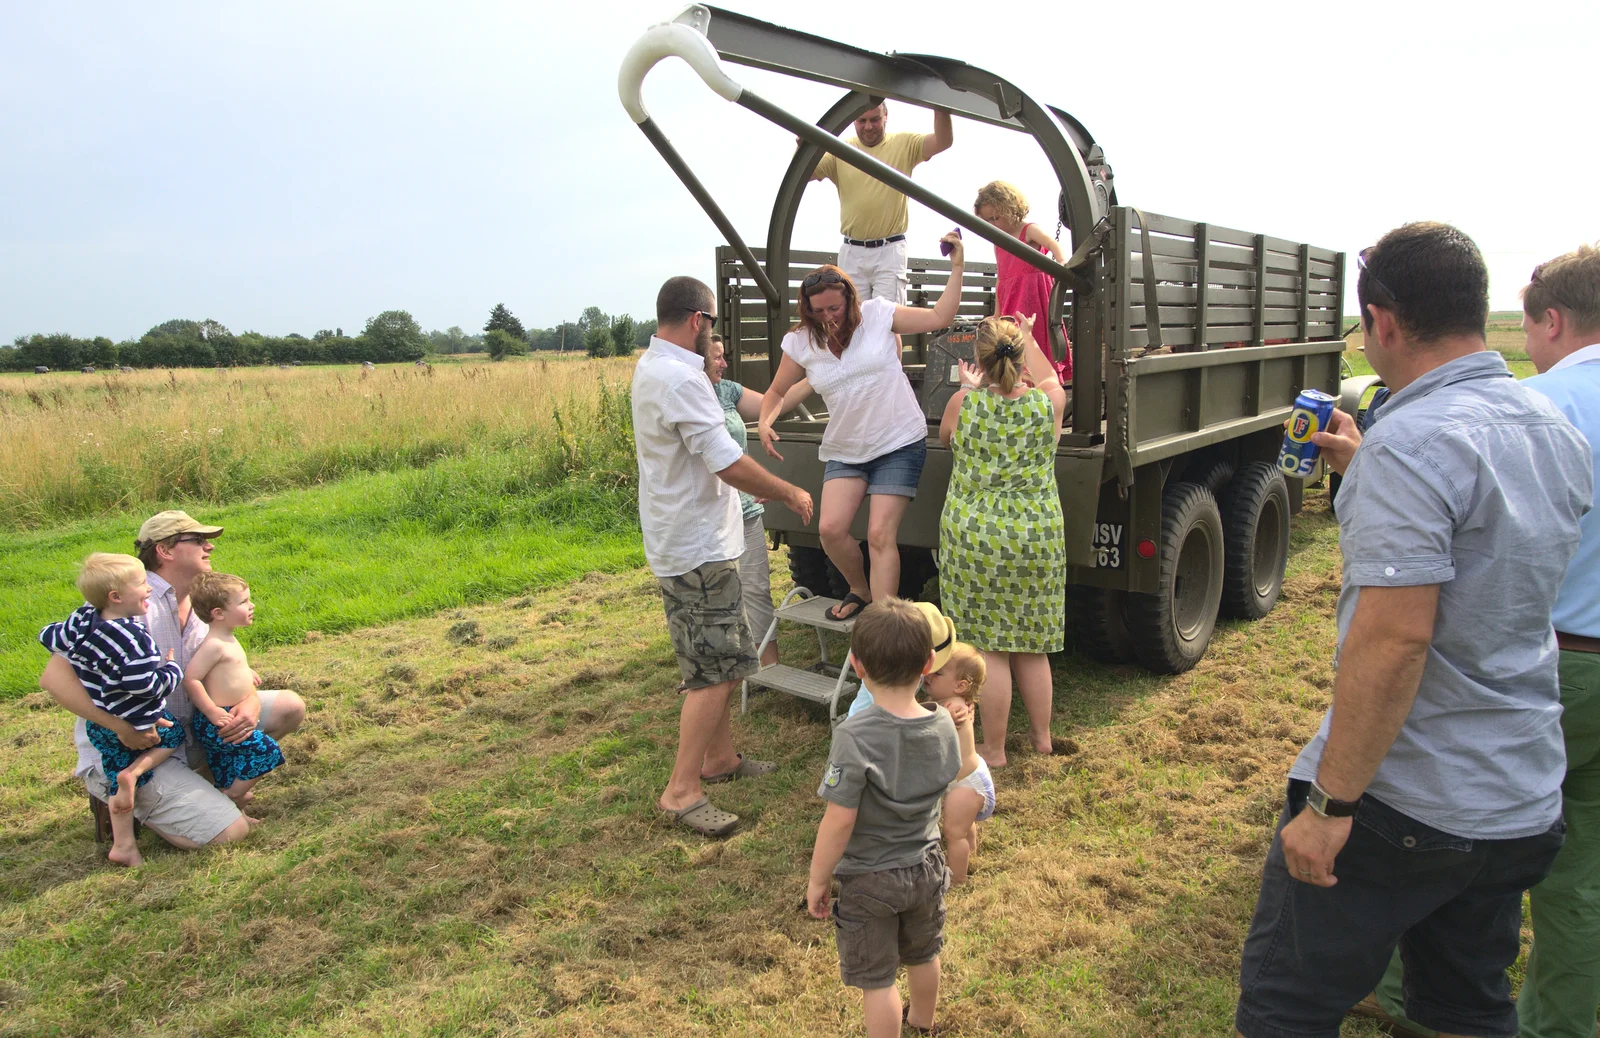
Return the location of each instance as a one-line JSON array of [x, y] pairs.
[[294, 166]]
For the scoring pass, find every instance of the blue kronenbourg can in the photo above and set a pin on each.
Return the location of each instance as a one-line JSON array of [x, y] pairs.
[[1313, 410]]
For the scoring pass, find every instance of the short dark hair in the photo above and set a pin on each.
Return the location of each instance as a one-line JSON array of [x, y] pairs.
[[680, 297], [892, 641], [1432, 277]]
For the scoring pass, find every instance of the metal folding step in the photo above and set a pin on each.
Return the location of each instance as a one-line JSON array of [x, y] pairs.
[[802, 607], [819, 688]]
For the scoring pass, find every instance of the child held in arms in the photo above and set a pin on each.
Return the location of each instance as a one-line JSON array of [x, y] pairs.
[[115, 658], [218, 678], [888, 767], [971, 796]]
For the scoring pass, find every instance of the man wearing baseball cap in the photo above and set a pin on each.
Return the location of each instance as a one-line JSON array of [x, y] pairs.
[[181, 806]]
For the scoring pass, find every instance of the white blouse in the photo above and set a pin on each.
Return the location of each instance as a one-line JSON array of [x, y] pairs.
[[872, 408]]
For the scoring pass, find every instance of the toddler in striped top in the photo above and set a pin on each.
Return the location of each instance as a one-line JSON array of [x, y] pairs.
[[117, 661]]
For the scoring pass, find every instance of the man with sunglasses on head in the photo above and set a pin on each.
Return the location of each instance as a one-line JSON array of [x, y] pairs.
[[690, 472], [872, 215], [182, 807], [1430, 799]]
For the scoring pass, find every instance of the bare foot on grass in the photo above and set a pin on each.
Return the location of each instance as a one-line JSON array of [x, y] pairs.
[[994, 760], [128, 857]]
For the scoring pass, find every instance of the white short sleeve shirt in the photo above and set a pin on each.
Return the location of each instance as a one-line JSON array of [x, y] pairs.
[[688, 516], [872, 408]]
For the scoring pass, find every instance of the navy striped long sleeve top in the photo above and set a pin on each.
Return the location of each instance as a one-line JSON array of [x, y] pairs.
[[118, 663]]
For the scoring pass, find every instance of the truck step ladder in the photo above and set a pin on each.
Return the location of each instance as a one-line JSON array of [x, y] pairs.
[[812, 611]]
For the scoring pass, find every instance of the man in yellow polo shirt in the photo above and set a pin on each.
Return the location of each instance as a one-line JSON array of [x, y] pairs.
[[872, 215]]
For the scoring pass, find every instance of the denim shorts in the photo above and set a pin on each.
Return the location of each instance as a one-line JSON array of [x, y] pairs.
[[1453, 905], [896, 472]]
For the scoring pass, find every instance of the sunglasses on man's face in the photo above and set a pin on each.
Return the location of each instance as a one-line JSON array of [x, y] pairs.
[[709, 318], [191, 538]]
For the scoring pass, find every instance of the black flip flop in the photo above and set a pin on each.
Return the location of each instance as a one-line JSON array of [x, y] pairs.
[[860, 602]]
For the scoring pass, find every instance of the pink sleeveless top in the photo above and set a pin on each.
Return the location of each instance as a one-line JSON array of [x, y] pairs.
[[1024, 289]]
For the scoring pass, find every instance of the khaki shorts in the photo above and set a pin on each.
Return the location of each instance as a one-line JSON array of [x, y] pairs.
[[177, 801], [888, 918], [705, 617]]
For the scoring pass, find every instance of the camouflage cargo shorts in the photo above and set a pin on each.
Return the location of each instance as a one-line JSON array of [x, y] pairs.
[[705, 616]]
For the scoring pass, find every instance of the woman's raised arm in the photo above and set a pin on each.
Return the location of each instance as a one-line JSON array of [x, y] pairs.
[[916, 320]]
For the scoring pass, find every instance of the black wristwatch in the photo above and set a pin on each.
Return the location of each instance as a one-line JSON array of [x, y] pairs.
[[1326, 806]]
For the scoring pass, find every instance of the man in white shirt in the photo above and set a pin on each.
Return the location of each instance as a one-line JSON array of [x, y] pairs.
[[690, 471]]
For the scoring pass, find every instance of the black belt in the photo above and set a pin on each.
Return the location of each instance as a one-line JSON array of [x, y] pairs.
[[875, 243], [1577, 643]]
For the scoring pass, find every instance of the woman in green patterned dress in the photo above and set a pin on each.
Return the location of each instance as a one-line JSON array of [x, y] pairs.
[[1002, 546]]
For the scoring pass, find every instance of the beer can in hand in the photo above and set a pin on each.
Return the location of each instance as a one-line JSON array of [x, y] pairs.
[[1313, 410]]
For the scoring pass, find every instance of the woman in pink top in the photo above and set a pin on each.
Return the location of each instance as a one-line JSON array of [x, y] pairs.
[[1021, 288]]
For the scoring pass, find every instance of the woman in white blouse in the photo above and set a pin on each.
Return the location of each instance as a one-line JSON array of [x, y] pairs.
[[876, 439]]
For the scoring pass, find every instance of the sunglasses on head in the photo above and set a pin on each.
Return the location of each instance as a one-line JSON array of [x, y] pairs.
[[1537, 279], [821, 277], [1361, 262]]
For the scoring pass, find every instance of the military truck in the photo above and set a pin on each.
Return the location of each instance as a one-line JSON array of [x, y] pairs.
[[1189, 344]]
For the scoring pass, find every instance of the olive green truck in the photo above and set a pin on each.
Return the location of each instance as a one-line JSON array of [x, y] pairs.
[[1189, 344]]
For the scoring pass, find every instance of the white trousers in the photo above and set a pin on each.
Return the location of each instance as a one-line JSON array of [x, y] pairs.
[[878, 273]]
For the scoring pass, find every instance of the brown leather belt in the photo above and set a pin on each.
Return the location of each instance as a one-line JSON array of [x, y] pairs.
[[1577, 643]]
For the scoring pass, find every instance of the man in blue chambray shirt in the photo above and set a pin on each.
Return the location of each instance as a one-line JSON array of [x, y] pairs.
[[1434, 782]]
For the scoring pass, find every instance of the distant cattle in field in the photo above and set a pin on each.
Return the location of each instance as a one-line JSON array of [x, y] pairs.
[[367, 365], [285, 367], [41, 370], [420, 363], [294, 364], [87, 369], [125, 370]]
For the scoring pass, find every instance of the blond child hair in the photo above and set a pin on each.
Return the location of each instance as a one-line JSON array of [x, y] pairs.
[[211, 591], [104, 572], [1006, 199], [966, 664]]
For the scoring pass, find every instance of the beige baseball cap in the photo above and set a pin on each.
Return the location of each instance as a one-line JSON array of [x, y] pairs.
[[169, 524], [944, 633]]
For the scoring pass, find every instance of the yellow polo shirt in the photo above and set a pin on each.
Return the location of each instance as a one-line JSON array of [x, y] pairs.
[[869, 208]]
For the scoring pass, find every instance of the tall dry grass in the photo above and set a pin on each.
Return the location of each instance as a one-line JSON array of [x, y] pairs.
[[83, 445]]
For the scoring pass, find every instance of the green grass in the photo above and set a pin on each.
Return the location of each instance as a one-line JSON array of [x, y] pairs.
[[463, 842], [360, 552]]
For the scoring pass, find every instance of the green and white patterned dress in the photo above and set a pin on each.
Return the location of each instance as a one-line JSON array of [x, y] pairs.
[[1002, 544]]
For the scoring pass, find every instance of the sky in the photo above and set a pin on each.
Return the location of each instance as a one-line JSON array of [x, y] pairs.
[[294, 166]]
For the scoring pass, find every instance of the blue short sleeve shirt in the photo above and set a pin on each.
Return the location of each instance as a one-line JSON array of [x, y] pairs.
[[1475, 483]]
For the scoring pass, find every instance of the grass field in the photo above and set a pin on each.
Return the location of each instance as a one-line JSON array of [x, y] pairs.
[[463, 839], [80, 446], [462, 842]]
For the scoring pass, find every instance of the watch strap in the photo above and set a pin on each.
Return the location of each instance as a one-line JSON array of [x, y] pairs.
[[1327, 806]]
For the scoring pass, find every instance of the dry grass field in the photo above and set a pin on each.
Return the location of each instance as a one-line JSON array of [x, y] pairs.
[[463, 840], [84, 445]]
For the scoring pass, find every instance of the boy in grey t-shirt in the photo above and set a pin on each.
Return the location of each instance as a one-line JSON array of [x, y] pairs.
[[888, 767]]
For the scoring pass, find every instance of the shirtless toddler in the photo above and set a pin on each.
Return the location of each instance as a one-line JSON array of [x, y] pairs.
[[218, 678]]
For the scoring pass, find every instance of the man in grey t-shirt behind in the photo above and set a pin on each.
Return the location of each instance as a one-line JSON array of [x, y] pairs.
[[1434, 784]]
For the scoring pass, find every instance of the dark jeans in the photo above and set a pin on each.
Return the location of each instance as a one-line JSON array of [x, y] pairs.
[[1452, 904]]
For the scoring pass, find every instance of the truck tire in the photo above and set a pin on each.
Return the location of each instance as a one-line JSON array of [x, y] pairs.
[[1255, 533], [808, 568], [917, 567], [1172, 625], [1097, 622], [1215, 476]]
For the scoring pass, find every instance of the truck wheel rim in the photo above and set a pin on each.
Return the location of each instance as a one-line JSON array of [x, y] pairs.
[[1191, 584], [1268, 547]]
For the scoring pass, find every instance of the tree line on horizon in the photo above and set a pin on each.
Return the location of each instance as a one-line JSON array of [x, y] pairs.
[[393, 336]]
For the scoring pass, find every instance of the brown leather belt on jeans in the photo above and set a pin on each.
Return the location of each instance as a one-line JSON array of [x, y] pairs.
[[1577, 643]]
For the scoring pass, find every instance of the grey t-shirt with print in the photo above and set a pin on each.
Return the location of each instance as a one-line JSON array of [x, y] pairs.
[[893, 770], [1476, 483]]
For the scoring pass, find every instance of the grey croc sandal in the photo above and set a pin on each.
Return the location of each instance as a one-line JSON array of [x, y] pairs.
[[747, 769], [704, 819]]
